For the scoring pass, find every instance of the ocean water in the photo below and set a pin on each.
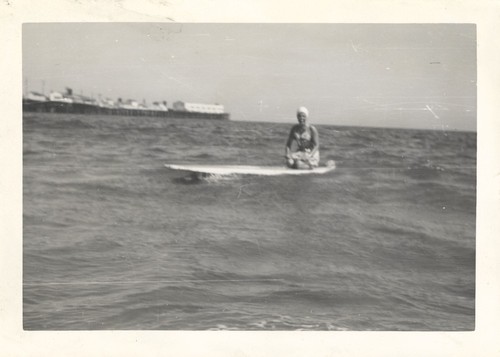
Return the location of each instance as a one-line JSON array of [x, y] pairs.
[[114, 240]]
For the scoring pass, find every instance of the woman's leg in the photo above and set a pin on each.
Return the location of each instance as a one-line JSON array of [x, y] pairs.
[[302, 165], [302, 161]]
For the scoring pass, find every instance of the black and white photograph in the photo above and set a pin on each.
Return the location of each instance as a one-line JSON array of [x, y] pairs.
[[253, 178], [249, 176]]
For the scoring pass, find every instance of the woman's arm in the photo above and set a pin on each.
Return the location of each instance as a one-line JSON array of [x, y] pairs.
[[314, 140], [289, 143]]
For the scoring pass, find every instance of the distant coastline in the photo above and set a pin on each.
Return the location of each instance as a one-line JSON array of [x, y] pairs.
[[78, 104]]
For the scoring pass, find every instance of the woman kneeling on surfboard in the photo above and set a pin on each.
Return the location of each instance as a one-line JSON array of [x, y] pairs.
[[306, 137]]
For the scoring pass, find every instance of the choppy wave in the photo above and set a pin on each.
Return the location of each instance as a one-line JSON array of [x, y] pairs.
[[114, 240]]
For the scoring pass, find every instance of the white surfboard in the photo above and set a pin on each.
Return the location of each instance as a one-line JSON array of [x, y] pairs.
[[250, 170]]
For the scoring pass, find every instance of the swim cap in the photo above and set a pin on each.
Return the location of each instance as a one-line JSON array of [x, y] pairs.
[[303, 110]]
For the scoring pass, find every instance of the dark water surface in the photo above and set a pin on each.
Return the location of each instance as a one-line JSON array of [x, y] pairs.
[[114, 240]]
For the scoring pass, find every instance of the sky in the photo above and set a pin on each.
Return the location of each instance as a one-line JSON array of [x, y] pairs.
[[420, 76]]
